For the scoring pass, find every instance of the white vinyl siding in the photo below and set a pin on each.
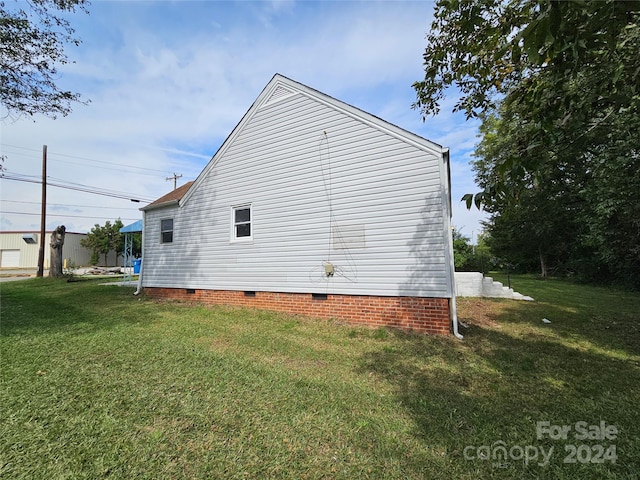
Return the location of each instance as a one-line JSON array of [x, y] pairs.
[[307, 169]]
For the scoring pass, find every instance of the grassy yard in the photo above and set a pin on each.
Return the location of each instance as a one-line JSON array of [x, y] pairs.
[[97, 383]]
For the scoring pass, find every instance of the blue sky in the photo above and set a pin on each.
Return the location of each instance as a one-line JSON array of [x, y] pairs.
[[168, 81]]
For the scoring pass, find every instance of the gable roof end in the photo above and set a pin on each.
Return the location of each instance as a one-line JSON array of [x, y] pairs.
[[170, 198], [280, 87]]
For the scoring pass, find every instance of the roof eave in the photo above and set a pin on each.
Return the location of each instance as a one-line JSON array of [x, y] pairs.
[[170, 203]]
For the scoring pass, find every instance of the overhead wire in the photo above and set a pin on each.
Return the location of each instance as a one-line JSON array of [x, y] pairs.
[[76, 187], [69, 185], [49, 214], [53, 154], [132, 172], [68, 205], [63, 183], [108, 168]]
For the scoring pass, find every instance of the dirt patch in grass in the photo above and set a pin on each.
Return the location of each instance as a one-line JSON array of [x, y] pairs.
[[479, 312]]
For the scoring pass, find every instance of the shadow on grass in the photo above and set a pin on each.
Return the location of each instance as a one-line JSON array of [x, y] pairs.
[[605, 317], [613, 333], [496, 384], [48, 305]]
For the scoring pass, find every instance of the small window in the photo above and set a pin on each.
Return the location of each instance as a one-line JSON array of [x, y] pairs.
[[241, 220], [166, 230]]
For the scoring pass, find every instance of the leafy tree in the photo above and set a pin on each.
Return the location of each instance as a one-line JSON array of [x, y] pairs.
[[116, 239], [534, 219], [490, 48], [462, 249], [471, 258], [566, 66], [557, 87], [104, 239], [96, 241], [33, 35], [613, 196], [137, 245], [95, 254], [575, 215]]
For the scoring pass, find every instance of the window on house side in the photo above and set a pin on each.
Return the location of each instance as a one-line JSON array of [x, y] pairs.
[[241, 217], [166, 230]]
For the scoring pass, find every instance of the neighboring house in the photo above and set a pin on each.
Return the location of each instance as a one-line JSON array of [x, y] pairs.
[[21, 249], [311, 206]]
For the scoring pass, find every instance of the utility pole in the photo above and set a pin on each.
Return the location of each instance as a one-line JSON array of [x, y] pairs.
[[43, 213], [175, 180]]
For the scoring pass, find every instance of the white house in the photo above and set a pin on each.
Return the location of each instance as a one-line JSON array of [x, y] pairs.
[[311, 206]]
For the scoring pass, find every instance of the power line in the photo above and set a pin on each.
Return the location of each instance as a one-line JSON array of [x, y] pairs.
[[65, 215], [103, 162], [109, 163], [78, 188], [56, 160], [68, 205], [112, 169], [65, 184], [24, 175], [86, 159]]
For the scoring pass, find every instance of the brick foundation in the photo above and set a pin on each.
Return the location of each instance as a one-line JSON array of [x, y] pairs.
[[418, 314]]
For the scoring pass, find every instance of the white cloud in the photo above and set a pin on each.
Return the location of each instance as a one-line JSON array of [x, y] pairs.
[[169, 81]]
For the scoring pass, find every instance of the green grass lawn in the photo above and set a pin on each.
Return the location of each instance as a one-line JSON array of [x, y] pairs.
[[97, 383]]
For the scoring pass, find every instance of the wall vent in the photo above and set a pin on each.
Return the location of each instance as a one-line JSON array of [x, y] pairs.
[[30, 238], [278, 93]]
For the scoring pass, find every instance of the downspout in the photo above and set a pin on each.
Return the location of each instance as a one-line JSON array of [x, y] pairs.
[[454, 316], [448, 233], [139, 289]]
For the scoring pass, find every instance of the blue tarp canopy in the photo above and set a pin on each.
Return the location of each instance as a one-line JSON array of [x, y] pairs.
[[133, 228], [130, 268]]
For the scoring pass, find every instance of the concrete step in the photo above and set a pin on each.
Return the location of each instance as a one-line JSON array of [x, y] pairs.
[[473, 284]]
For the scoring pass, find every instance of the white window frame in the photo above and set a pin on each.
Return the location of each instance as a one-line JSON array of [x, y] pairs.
[[162, 232], [233, 237]]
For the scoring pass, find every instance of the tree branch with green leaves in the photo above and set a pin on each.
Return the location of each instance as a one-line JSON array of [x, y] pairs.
[[565, 66], [33, 37]]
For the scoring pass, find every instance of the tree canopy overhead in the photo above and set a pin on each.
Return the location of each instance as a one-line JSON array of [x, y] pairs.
[[490, 49], [557, 87], [567, 67], [33, 36]]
